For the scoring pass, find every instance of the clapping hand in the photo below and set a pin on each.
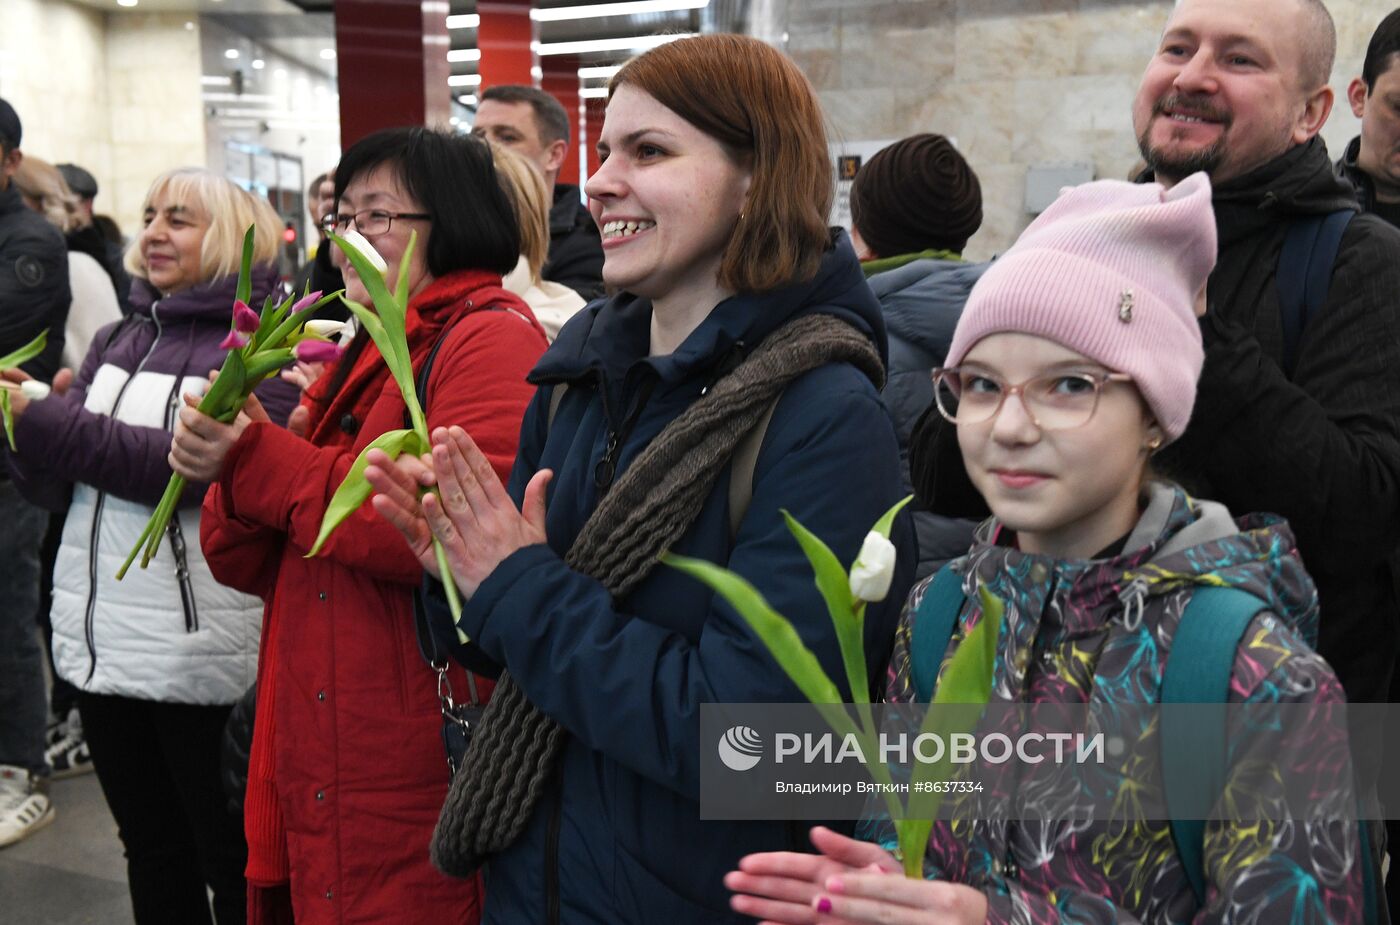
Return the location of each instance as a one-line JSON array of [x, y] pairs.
[[471, 515]]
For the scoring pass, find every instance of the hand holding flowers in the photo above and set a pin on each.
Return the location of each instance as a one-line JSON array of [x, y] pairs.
[[472, 516], [259, 344]]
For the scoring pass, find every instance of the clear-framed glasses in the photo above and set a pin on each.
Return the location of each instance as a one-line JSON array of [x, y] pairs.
[[370, 222], [1056, 401]]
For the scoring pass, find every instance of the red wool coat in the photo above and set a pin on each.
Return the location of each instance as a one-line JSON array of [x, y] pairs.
[[348, 772]]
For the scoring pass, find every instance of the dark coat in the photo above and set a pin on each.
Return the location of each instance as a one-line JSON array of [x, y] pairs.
[[1322, 450], [922, 302], [626, 678], [34, 293], [1348, 170], [321, 275], [90, 241], [575, 246]]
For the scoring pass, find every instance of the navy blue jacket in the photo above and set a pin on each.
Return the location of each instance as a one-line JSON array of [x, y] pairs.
[[620, 840]]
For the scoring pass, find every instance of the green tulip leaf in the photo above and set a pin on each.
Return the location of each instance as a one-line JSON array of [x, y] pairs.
[[9, 416], [26, 353], [391, 313], [886, 522], [835, 587], [219, 399], [354, 490], [245, 267], [967, 682], [401, 289], [267, 363]]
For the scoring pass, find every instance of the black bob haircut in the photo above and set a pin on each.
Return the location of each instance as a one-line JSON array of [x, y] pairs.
[[453, 178], [1385, 44]]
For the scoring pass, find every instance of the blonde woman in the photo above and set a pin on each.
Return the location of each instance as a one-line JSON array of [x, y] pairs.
[[552, 303], [158, 658], [95, 298]]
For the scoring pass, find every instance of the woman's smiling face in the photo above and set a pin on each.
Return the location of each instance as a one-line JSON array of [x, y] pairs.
[[666, 198], [172, 243]]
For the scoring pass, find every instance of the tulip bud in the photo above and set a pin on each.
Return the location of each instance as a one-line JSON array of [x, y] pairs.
[[316, 351], [234, 341], [324, 327], [309, 300], [356, 240], [34, 390], [245, 320], [873, 569]]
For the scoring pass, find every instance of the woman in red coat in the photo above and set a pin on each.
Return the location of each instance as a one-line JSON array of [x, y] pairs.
[[348, 771]]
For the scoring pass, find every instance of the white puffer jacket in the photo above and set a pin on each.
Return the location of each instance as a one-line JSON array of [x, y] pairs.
[[169, 632]]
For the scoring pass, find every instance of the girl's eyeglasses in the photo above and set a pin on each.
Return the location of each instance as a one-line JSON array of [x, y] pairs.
[[1058, 401]]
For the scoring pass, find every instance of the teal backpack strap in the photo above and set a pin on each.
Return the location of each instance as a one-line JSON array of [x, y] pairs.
[[1198, 671], [934, 623]]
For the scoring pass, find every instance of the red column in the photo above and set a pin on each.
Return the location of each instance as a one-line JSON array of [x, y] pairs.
[[506, 37], [391, 58], [561, 82], [594, 107]]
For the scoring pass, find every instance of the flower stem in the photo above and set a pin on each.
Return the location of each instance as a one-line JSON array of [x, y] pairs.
[[449, 585]]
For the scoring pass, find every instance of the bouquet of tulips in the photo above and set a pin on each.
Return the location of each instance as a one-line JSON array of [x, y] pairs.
[[966, 680], [259, 345], [33, 389], [386, 324]]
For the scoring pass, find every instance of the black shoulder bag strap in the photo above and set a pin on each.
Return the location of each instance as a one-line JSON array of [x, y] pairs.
[[458, 719]]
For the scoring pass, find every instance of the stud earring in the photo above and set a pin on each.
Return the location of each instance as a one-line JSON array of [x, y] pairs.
[[1154, 444]]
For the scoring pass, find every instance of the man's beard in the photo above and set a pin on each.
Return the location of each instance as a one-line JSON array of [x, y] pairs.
[[1179, 167]]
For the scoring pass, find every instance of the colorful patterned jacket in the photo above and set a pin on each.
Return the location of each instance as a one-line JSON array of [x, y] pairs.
[[1097, 632]]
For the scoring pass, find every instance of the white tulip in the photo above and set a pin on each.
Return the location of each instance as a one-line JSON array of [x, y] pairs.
[[325, 327], [356, 240], [873, 569], [34, 390]]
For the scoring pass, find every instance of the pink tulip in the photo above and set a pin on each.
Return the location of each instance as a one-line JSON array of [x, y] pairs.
[[234, 341], [316, 351], [244, 318], [306, 302]]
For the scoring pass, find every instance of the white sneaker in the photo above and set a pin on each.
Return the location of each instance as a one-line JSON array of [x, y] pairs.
[[24, 804]]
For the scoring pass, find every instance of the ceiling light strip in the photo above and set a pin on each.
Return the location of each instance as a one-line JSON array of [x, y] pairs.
[[627, 43], [633, 8]]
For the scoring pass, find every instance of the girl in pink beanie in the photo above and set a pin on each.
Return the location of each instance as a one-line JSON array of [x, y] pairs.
[[1076, 358]]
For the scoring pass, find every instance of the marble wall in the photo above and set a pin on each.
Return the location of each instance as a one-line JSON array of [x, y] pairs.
[[116, 93], [1015, 82]]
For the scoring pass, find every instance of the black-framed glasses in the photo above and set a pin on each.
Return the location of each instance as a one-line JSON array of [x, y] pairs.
[[367, 221], [1057, 401]]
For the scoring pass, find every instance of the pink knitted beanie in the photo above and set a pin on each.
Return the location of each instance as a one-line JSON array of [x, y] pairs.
[[1110, 270]]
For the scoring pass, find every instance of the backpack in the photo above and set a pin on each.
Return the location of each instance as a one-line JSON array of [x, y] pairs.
[[1304, 275], [1193, 753]]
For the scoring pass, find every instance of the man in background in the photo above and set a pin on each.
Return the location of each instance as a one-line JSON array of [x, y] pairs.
[[34, 297], [89, 239], [533, 123], [1372, 160]]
